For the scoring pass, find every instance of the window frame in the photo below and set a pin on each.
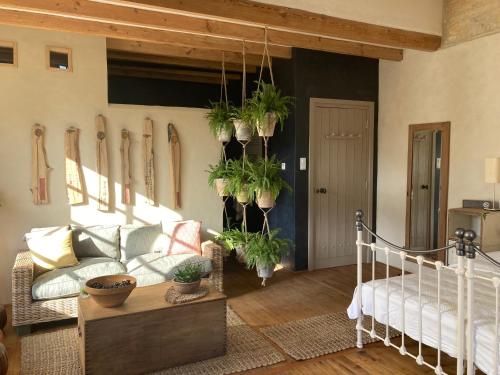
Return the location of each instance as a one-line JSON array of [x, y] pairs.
[[10, 44], [65, 50]]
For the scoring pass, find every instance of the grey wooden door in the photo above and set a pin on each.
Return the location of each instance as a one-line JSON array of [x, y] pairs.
[[340, 178]]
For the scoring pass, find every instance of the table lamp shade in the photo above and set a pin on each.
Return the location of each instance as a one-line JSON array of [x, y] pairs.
[[492, 170]]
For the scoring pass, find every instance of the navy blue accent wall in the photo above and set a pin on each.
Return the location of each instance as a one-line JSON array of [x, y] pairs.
[[312, 74]]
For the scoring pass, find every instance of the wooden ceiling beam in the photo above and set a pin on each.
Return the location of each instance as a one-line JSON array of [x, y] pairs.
[[176, 61], [183, 52], [114, 15], [21, 18], [292, 19]]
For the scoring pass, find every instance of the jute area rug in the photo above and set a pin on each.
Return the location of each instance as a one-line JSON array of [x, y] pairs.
[[320, 335], [56, 353]]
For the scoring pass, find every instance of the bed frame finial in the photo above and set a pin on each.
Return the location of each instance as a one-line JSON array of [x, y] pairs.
[[470, 249], [460, 245]]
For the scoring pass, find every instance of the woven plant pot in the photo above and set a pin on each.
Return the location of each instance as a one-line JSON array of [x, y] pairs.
[[243, 131], [265, 128], [243, 197], [186, 288], [3, 317], [224, 136], [4, 361], [220, 186], [240, 254], [265, 199], [265, 272]]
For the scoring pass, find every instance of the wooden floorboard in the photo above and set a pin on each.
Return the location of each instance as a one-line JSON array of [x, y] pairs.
[[297, 295]]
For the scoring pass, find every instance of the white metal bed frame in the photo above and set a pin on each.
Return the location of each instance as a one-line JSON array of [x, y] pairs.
[[465, 273]]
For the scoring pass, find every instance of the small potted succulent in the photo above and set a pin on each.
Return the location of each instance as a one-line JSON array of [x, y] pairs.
[[269, 107], [242, 119], [219, 121], [264, 252], [218, 175], [238, 179], [266, 182], [187, 279], [237, 240]]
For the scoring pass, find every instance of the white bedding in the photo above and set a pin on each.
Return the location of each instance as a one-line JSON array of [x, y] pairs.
[[484, 311]]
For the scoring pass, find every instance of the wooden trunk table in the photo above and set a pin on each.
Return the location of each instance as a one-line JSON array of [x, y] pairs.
[[147, 333]]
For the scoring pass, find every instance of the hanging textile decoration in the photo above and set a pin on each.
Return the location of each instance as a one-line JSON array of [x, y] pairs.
[[75, 185], [39, 166], [148, 158], [102, 169], [125, 161], [175, 165]]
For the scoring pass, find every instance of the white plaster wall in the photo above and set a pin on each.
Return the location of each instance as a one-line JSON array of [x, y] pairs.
[[417, 15], [31, 94], [458, 84]]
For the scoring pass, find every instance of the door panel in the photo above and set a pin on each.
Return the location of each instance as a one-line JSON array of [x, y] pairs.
[[340, 146]]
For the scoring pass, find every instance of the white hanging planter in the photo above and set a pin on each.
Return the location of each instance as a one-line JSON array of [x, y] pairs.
[[220, 186], [243, 197], [243, 131], [265, 199], [224, 135], [266, 126]]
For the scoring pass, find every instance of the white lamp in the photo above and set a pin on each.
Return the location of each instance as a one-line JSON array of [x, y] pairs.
[[492, 176]]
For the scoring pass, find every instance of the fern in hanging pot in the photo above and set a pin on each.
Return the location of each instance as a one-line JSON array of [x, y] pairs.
[[218, 175], [220, 122], [264, 252], [266, 182], [237, 240], [239, 179], [242, 119], [268, 108]]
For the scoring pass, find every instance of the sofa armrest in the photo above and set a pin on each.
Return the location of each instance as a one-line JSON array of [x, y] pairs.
[[213, 251], [22, 280]]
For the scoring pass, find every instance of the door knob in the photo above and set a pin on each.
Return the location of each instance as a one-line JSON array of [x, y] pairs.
[[425, 187], [321, 191]]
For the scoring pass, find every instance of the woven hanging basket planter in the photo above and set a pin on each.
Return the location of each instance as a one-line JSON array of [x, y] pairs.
[[265, 199], [265, 272], [240, 254], [4, 361], [220, 186], [224, 135], [243, 131], [265, 128], [243, 197]]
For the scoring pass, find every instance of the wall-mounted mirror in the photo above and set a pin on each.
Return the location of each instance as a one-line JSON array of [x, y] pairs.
[[427, 186]]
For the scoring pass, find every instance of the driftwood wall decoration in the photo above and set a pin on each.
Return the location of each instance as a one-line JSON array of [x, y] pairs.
[[175, 165], [102, 169], [39, 166], [74, 176], [125, 163], [148, 156]]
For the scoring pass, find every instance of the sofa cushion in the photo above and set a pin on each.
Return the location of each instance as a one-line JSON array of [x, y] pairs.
[[64, 282], [52, 249], [183, 237], [96, 241], [154, 268], [138, 240]]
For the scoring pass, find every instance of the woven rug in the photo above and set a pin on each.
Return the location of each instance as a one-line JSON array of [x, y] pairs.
[[320, 335], [56, 353]]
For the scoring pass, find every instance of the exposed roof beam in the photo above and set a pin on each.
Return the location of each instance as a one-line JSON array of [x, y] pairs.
[[176, 51], [113, 15], [292, 19], [176, 61], [169, 74], [21, 18]]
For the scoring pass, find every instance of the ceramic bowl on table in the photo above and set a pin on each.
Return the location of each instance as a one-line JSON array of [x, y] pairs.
[[107, 296]]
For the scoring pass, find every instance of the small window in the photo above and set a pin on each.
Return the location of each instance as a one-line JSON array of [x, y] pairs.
[[59, 58], [8, 53]]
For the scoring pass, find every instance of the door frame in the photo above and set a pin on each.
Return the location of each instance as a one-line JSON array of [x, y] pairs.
[[370, 108], [443, 183]]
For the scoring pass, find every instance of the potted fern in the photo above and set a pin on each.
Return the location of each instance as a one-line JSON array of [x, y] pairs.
[[266, 182], [187, 278], [242, 119], [219, 121], [269, 107], [238, 180], [264, 252], [218, 176], [237, 240]]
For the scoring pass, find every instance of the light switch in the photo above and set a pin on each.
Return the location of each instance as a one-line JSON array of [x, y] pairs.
[[283, 166], [303, 164]]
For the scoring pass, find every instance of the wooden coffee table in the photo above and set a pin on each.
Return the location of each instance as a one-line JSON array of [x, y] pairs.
[[147, 333]]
